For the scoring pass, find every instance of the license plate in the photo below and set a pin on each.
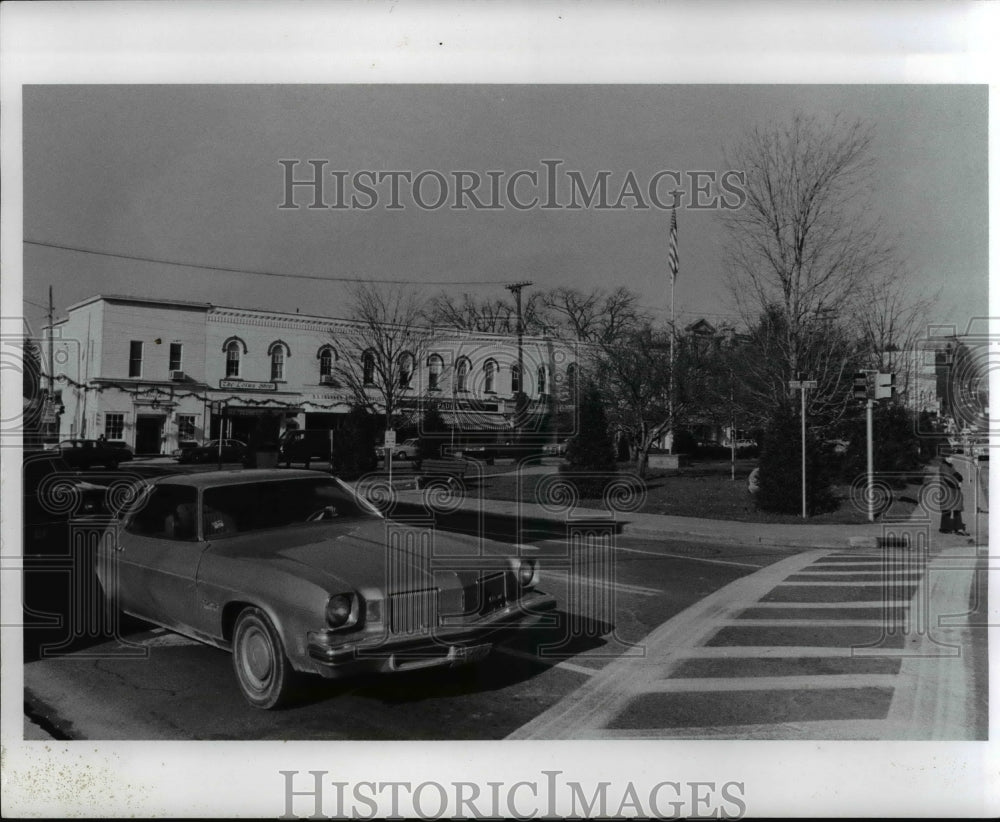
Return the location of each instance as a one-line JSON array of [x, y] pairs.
[[494, 593]]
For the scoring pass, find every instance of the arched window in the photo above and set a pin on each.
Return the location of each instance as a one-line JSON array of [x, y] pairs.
[[541, 379], [515, 379], [277, 351], [490, 382], [368, 367], [462, 375], [434, 367], [327, 357], [405, 369], [278, 363], [233, 359]]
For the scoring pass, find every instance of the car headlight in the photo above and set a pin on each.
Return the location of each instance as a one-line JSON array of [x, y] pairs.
[[341, 610], [526, 570]]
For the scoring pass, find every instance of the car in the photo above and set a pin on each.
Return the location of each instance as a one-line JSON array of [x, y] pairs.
[[83, 454], [54, 493], [407, 449], [556, 449], [293, 572], [184, 445], [482, 453], [306, 445], [232, 451]]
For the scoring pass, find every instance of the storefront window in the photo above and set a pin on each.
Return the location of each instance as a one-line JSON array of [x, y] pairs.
[[114, 426]]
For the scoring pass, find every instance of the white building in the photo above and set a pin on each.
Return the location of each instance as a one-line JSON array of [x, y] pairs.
[[151, 373]]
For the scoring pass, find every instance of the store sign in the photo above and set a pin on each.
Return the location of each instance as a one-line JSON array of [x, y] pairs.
[[247, 385]]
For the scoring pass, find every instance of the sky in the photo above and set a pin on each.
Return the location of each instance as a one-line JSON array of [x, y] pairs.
[[191, 173]]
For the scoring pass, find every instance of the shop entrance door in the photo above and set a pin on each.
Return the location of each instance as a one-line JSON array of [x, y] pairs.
[[148, 433]]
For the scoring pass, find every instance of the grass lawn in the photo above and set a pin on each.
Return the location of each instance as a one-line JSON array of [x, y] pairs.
[[701, 490]]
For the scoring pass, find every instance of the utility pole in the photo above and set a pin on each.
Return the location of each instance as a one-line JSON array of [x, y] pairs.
[[519, 397], [50, 399]]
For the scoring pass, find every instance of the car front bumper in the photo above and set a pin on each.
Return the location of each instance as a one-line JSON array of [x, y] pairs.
[[444, 646]]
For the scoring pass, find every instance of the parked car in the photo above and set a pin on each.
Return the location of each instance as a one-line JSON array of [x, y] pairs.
[[184, 445], [305, 445], [483, 453], [232, 451], [407, 449], [292, 571], [53, 493], [85, 454], [556, 449]]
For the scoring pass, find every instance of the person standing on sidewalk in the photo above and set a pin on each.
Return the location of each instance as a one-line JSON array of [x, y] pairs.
[[951, 516]]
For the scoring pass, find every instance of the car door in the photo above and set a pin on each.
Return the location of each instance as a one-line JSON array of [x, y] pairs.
[[158, 554]]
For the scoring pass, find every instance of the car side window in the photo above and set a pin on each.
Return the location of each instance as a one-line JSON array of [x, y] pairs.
[[170, 512]]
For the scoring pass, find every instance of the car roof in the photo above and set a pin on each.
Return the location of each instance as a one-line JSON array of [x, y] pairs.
[[216, 479]]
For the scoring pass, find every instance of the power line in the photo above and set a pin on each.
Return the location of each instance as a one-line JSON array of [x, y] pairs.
[[258, 273]]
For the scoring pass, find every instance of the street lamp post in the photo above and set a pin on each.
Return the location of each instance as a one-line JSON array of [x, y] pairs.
[[802, 386]]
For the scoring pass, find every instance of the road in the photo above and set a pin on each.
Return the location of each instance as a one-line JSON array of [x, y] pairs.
[[654, 638]]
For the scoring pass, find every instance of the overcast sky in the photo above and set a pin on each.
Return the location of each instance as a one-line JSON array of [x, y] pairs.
[[192, 174]]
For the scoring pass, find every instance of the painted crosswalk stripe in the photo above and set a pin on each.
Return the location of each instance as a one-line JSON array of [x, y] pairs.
[[881, 583], [771, 683], [809, 623], [872, 603], [764, 652]]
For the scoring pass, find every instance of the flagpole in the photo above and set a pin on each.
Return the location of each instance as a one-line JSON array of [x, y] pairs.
[[674, 265], [673, 280]]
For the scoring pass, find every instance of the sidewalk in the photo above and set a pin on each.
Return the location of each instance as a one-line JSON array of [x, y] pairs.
[[866, 535]]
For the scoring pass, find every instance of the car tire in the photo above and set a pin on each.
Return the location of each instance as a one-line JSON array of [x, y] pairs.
[[263, 672]]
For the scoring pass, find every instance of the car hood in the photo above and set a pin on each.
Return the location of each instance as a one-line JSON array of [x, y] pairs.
[[371, 554]]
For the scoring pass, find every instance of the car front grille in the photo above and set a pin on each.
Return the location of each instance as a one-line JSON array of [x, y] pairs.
[[413, 611]]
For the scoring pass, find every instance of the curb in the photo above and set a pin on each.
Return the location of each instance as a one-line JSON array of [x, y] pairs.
[[804, 541]]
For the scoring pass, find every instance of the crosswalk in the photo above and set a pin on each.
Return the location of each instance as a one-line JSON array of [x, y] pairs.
[[821, 645]]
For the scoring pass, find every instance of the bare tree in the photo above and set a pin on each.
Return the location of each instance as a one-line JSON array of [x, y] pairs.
[[804, 249], [597, 316], [891, 320], [377, 360], [486, 315], [634, 372]]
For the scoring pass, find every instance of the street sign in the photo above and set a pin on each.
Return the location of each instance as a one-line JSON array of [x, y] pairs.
[[803, 383], [390, 438]]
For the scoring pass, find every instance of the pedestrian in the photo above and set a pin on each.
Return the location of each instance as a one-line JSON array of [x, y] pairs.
[[953, 502]]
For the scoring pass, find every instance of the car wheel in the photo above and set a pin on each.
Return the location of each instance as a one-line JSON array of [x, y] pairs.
[[263, 671]]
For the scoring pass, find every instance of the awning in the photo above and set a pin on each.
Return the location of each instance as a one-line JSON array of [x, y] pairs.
[[477, 421]]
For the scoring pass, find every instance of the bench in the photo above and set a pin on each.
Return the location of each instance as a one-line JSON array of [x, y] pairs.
[[447, 468]]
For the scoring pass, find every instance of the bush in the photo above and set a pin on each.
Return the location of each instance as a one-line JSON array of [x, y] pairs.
[[781, 469], [590, 455], [896, 446], [433, 433], [355, 444]]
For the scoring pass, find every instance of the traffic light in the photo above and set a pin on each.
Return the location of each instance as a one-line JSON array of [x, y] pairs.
[[860, 386], [885, 386]]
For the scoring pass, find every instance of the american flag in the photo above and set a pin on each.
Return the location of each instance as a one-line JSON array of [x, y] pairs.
[[672, 254]]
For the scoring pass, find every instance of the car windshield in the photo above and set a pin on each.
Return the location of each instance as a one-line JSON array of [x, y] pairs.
[[259, 506]]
